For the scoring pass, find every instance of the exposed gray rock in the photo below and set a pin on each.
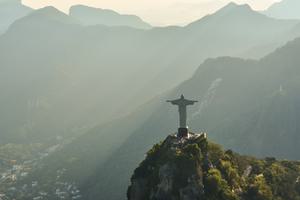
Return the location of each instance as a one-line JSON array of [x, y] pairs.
[[165, 187], [138, 189], [193, 190], [166, 178]]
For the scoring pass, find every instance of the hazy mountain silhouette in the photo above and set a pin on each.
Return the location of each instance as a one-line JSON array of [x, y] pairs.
[[247, 105], [285, 9], [235, 18], [34, 59], [96, 16], [60, 78], [61, 63], [50, 13], [65, 78], [11, 10], [58, 65], [231, 31]]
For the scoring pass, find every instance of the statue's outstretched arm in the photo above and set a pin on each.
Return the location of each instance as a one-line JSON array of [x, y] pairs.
[[174, 102], [191, 102]]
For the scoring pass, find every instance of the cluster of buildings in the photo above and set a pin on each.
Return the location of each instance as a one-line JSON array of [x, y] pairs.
[[56, 189], [14, 184]]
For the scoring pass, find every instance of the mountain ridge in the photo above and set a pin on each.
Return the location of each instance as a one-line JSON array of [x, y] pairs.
[[285, 9], [96, 16], [210, 114], [168, 49], [51, 13], [256, 80], [10, 11]]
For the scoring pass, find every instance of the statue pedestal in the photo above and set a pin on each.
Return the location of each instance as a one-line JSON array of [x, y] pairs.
[[183, 132]]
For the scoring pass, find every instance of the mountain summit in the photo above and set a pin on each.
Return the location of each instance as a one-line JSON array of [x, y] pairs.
[[239, 23], [53, 14], [231, 10], [11, 10], [285, 9], [97, 16], [193, 168]]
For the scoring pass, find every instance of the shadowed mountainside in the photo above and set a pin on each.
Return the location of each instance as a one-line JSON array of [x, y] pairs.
[[79, 63], [246, 105], [249, 106], [64, 79]]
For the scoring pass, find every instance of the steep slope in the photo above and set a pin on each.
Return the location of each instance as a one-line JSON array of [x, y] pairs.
[[48, 13], [52, 66], [97, 16], [10, 11], [238, 22], [30, 66], [73, 63], [240, 106], [285, 9], [86, 56], [233, 26], [193, 168], [247, 105], [58, 64]]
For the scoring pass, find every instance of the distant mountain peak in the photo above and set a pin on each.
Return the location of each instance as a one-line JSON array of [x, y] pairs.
[[90, 9], [285, 9], [231, 13], [51, 13], [10, 11], [48, 11], [230, 5], [234, 7], [284, 3], [97, 16]]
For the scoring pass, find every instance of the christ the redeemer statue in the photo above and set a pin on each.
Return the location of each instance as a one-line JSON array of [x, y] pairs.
[[182, 103]]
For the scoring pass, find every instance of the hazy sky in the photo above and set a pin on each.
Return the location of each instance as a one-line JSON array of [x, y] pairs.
[[157, 12]]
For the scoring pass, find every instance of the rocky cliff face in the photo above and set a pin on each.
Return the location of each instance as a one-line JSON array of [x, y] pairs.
[[193, 168]]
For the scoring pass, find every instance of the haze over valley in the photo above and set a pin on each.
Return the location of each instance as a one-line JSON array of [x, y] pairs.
[[83, 93]]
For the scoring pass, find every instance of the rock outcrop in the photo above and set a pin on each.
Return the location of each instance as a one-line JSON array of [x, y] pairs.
[[193, 168]]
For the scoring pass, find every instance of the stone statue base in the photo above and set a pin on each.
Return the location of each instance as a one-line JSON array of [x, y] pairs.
[[183, 132]]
